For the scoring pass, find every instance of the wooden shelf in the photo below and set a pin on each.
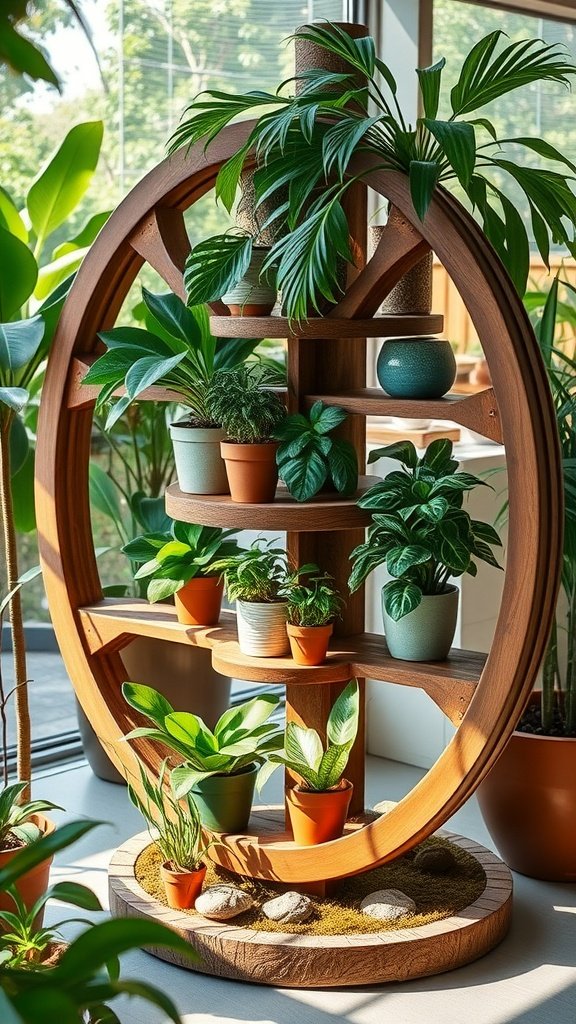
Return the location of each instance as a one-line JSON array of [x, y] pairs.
[[111, 624], [324, 512], [324, 327], [477, 411]]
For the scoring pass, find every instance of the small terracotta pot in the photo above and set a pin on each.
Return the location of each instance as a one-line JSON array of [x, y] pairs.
[[252, 471], [309, 643], [199, 601], [318, 817], [182, 888], [35, 882]]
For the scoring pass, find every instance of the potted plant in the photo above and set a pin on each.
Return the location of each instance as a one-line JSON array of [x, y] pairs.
[[179, 564], [424, 537], [528, 800], [312, 608], [248, 290], [318, 805], [81, 978], [309, 459], [257, 580], [306, 143], [250, 415], [21, 823], [177, 832], [219, 768], [178, 352]]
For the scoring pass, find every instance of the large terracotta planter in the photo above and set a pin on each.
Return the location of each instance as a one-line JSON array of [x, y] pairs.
[[262, 629], [199, 465], [35, 882], [198, 603], [318, 817], [528, 802], [182, 888], [309, 644], [252, 471]]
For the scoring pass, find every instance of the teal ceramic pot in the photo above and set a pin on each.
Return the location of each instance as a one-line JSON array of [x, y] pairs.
[[416, 367], [426, 634], [224, 802]]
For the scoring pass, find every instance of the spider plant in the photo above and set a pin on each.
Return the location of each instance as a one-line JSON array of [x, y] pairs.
[[259, 574], [306, 144], [174, 825]]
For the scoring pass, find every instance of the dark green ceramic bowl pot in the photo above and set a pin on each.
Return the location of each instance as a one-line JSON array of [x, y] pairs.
[[224, 802], [416, 367]]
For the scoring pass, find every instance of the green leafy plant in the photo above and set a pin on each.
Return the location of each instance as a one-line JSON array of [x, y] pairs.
[[242, 736], [20, 52], [15, 824], [309, 141], [321, 769], [173, 559], [86, 977], [259, 574], [176, 351], [22, 943], [314, 602], [175, 825], [249, 412], [420, 530], [308, 458]]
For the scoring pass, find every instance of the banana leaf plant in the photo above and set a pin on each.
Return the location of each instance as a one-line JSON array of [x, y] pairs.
[[34, 282], [305, 145]]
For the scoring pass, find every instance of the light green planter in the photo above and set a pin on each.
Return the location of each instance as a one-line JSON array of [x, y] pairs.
[[426, 634], [199, 465], [224, 802]]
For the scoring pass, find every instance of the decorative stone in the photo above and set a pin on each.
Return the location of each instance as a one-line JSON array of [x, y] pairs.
[[435, 860], [221, 902], [387, 905], [384, 806], [291, 907]]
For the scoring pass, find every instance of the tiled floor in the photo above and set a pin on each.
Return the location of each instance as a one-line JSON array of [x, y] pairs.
[[529, 979]]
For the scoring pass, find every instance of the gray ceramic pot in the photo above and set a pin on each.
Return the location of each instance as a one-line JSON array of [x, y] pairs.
[[426, 634]]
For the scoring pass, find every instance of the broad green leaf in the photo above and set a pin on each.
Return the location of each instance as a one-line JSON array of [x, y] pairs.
[[99, 944], [342, 724], [327, 418], [423, 177], [52, 274], [190, 729], [184, 324], [483, 551], [61, 184], [215, 266], [147, 701], [435, 510], [458, 142], [430, 79], [453, 552], [343, 463], [245, 718], [485, 532], [303, 746], [402, 451], [19, 274], [402, 558], [438, 455], [23, 496], [10, 218], [19, 445], [401, 598], [14, 398], [85, 236], [305, 475], [332, 766], [76, 894], [19, 342], [23, 56], [148, 371], [103, 493], [28, 858], [143, 548]]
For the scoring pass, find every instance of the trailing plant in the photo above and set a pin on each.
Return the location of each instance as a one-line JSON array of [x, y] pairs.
[[242, 736], [306, 144], [249, 412], [259, 574], [16, 827], [320, 769], [86, 977], [176, 351], [174, 825], [173, 559], [315, 602], [420, 531], [308, 458]]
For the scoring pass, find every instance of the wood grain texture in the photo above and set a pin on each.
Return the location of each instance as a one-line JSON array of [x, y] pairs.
[[324, 512], [317, 327], [306, 961], [110, 624]]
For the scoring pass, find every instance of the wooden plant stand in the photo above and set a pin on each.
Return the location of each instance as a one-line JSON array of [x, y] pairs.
[[482, 695]]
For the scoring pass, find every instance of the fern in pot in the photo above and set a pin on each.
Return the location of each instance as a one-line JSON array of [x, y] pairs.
[[424, 537], [250, 413], [313, 604], [258, 581]]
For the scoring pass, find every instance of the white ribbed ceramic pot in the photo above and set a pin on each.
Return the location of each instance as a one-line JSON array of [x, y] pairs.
[[199, 464], [253, 295], [262, 629]]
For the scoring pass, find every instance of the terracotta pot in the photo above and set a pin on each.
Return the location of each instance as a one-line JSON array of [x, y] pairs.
[[35, 882], [262, 629], [252, 471], [528, 802], [309, 643], [199, 601], [318, 817], [182, 888]]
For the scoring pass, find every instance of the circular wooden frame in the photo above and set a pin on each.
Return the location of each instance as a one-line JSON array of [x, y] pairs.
[[313, 961], [149, 225]]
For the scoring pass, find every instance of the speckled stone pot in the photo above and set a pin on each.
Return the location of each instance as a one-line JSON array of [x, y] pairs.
[[416, 367], [426, 634]]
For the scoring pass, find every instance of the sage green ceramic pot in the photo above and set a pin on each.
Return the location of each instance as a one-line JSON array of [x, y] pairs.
[[426, 634], [224, 802], [416, 367]]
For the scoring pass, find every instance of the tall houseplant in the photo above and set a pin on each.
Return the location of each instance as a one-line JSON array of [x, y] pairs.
[[307, 142]]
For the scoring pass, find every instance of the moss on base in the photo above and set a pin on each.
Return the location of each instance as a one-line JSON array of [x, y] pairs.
[[436, 896]]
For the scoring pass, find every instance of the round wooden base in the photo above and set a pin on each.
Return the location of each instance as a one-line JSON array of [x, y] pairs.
[[321, 961]]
